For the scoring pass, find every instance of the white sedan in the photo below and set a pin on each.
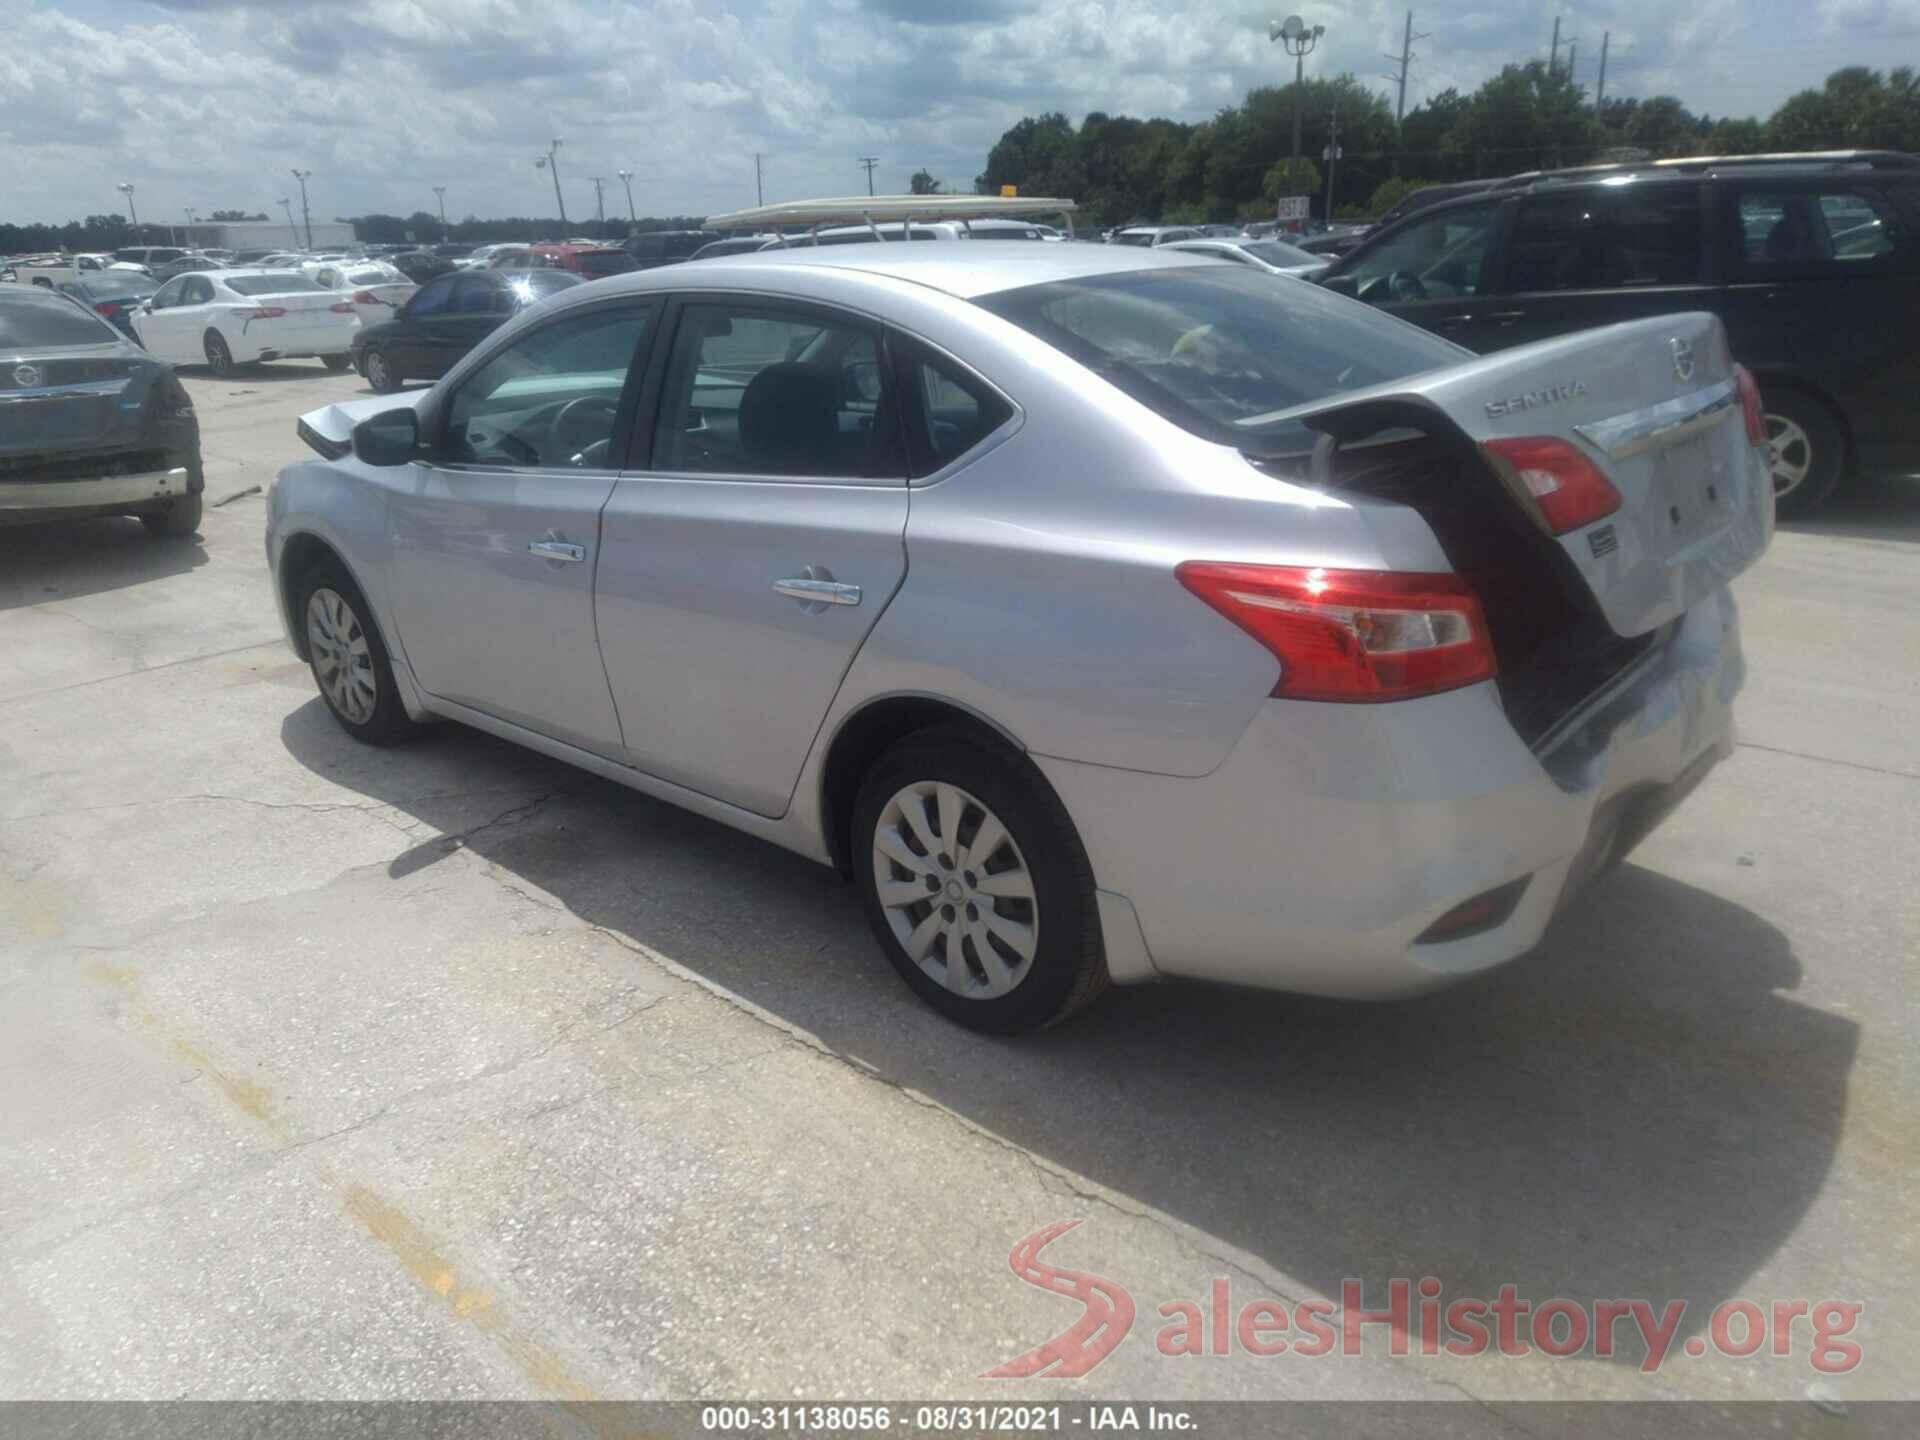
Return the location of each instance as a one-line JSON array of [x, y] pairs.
[[227, 318], [375, 289]]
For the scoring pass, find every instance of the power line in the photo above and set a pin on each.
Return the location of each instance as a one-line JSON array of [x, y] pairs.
[[1405, 61], [869, 161]]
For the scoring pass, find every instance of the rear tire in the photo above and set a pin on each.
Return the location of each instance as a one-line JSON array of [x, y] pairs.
[[336, 363], [1806, 453], [219, 357], [177, 521], [348, 658], [1003, 949], [381, 376]]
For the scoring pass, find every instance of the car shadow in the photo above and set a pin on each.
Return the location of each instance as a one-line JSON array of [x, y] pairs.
[[1640, 1109], [70, 558], [1880, 507], [273, 372]]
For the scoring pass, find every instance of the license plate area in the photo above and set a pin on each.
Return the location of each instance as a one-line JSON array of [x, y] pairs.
[[1693, 488]]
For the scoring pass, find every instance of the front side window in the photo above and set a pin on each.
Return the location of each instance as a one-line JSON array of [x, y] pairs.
[[1441, 257], [1784, 232], [1220, 350], [431, 299], [550, 399], [169, 293], [196, 291], [768, 392], [1607, 238]]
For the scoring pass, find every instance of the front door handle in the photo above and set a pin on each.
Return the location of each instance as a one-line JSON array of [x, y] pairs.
[[817, 593], [557, 550], [1507, 317]]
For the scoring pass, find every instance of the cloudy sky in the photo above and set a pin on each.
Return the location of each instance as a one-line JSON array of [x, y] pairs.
[[209, 103]]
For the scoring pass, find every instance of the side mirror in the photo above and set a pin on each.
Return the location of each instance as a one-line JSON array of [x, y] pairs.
[[389, 438], [1341, 285]]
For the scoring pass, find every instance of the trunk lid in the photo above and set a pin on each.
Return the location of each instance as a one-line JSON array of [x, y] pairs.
[[1654, 404]]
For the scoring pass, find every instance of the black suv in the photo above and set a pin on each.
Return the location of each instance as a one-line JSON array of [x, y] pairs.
[[1811, 261]]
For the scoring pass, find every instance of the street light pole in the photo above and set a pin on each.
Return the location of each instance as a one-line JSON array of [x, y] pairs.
[[305, 214], [626, 179], [440, 194], [126, 189], [1298, 40], [599, 202], [293, 231], [551, 161]]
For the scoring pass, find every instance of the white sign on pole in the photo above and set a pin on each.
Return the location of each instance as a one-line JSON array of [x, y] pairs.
[[1292, 207]]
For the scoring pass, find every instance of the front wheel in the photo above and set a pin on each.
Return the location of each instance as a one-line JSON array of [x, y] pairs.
[[1805, 453], [975, 883], [219, 357], [380, 373], [349, 660], [336, 363]]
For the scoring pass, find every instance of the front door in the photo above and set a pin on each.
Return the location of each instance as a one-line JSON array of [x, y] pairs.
[[476, 309], [161, 324], [495, 540], [1436, 272], [753, 545], [1599, 255]]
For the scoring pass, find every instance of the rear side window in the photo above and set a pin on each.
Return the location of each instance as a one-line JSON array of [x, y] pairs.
[[433, 299], [1812, 232], [1607, 239], [1221, 350], [947, 410], [33, 322]]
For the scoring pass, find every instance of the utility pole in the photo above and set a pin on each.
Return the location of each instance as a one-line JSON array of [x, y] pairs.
[[1600, 90], [1332, 156], [1553, 60], [869, 161], [759, 189], [440, 194], [551, 161], [626, 179], [1405, 61], [599, 200], [301, 176], [1573, 58], [293, 233]]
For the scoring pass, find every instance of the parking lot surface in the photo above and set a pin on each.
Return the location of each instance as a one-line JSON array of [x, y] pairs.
[[448, 1071]]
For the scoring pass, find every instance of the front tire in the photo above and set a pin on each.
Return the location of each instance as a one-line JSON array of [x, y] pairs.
[[336, 363], [219, 357], [1806, 454], [381, 375], [179, 520], [348, 658], [976, 884]]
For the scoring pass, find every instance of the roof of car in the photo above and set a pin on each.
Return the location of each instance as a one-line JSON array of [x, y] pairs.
[[960, 268]]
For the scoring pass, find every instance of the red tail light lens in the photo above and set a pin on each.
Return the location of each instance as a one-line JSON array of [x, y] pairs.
[[1565, 484], [106, 308], [1750, 405], [264, 312], [1353, 635], [343, 307], [364, 297]]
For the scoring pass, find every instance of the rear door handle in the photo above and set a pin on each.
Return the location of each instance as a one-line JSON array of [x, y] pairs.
[[1507, 317], [811, 592], [557, 550]]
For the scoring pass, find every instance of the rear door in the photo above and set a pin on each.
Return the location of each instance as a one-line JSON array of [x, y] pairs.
[[410, 346], [1596, 255], [471, 314], [1436, 272], [752, 544], [495, 541], [1824, 288]]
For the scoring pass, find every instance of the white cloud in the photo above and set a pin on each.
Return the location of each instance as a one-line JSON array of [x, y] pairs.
[[211, 102]]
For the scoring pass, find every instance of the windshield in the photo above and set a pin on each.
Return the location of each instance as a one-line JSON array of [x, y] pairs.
[[538, 284], [41, 322], [1274, 252], [1215, 349], [271, 284]]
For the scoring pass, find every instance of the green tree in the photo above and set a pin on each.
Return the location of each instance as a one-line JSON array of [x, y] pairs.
[[923, 183], [1662, 126]]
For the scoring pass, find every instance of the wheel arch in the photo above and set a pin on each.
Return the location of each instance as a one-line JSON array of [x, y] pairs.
[[301, 552], [1783, 378], [864, 734]]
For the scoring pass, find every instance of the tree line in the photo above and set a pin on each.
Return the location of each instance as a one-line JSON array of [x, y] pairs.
[[1530, 116]]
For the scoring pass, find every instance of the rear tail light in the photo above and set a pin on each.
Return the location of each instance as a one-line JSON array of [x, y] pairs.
[[1750, 405], [363, 297], [1564, 483], [263, 312], [106, 308], [1353, 635], [344, 307]]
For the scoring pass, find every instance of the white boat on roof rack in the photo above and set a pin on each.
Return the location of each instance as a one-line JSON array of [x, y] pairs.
[[874, 210]]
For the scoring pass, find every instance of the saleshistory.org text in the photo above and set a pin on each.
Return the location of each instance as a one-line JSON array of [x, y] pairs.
[[1416, 1317]]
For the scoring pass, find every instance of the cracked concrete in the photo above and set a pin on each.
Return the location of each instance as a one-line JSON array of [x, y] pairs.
[[447, 1071]]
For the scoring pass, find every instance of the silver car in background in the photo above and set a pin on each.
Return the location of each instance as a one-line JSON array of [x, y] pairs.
[[1104, 613]]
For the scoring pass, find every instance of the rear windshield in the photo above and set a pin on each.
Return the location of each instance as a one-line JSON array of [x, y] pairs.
[[40, 322], [114, 287], [1134, 237], [1218, 350], [272, 284], [597, 263]]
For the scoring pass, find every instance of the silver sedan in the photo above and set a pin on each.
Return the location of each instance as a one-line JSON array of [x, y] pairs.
[[1103, 614]]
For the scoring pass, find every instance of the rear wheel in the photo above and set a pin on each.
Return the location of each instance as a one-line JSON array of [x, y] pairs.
[[348, 659], [219, 357], [975, 883], [180, 519], [380, 372], [1805, 453], [336, 363]]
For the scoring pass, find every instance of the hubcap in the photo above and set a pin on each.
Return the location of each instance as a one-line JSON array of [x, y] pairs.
[[376, 368], [341, 661], [955, 889], [1789, 454]]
